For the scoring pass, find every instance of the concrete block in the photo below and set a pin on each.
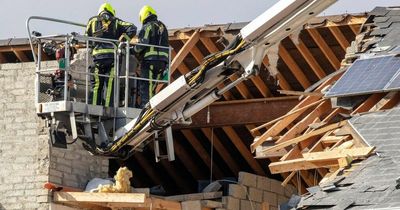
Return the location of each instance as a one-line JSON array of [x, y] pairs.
[[246, 204], [263, 183], [247, 179], [276, 186], [282, 199], [255, 194], [270, 198], [191, 205], [231, 203], [237, 191]]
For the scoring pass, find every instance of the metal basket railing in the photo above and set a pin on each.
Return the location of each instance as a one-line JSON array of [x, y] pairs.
[[121, 48]]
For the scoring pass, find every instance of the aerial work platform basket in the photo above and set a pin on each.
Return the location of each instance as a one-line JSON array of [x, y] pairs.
[[63, 94]]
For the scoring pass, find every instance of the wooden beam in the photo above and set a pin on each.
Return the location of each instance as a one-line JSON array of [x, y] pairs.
[[241, 87], [11, 48], [324, 47], [21, 56], [299, 164], [299, 93], [261, 86], [355, 29], [241, 112], [355, 153], [282, 124], [209, 44], [186, 35], [198, 56], [341, 39], [148, 169], [369, 103], [293, 67], [307, 120], [392, 102], [151, 203], [182, 68], [212, 48], [306, 136], [311, 61], [220, 148], [283, 83], [293, 111], [288, 178], [173, 173], [202, 153], [187, 161], [3, 58], [128, 198], [244, 150], [183, 52]]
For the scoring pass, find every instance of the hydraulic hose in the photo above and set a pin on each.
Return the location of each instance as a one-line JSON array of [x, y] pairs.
[[149, 114]]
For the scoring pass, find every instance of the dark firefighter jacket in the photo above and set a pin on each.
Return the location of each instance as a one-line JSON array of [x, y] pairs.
[[116, 27], [153, 32]]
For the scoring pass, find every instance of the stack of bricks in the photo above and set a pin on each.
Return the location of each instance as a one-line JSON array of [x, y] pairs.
[[26, 158], [256, 193]]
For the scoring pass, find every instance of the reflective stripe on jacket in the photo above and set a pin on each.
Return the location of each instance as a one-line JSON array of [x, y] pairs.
[[112, 29], [153, 32]]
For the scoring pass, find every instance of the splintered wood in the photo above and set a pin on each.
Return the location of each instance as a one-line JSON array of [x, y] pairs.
[[314, 141]]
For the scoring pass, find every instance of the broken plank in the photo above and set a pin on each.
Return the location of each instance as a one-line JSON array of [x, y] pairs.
[[306, 136], [299, 164], [288, 178], [287, 115], [355, 153], [333, 139]]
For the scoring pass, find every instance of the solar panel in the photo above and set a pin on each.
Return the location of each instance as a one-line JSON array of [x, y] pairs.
[[366, 76], [395, 83]]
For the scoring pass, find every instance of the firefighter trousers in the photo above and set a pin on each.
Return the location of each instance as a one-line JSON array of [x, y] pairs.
[[152, 70], [102, 91]]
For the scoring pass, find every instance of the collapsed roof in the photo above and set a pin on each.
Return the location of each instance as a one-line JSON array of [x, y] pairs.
[[301, 60], [323, 140]]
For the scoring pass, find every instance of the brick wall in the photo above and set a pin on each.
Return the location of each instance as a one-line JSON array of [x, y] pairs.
[[254, 192], [26, 159]]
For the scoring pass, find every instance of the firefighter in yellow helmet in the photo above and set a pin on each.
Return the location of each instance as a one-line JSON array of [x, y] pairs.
[[154, 60], [105, 25]]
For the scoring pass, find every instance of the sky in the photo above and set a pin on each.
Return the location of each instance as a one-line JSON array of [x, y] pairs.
[[174, 13]]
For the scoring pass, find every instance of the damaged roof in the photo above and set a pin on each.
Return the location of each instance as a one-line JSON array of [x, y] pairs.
[[375, 182]]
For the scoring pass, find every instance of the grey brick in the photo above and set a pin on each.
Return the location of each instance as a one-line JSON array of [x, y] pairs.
[[247, 179], [231, 203], [255, 194], [237, 191], [270, 198]]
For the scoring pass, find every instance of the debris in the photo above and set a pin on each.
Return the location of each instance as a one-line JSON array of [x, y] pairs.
[[122, 183]]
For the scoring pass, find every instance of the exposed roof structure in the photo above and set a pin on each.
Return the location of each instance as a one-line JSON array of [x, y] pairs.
[[302, 60], [304, 143], [317, 54], [372, 184]]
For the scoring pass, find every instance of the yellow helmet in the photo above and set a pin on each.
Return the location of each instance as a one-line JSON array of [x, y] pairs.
[[106, 7], [145, 12]]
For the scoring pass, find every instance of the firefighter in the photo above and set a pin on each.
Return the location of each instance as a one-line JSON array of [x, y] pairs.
[[153, 60], [105, 25]]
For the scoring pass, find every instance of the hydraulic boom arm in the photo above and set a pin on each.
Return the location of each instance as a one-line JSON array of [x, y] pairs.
[[194, 91]]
